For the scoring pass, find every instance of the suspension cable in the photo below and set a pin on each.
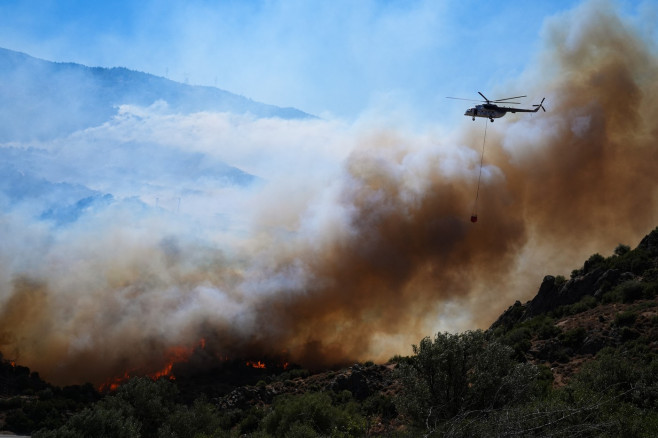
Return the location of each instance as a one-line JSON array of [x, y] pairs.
[[474, 214]]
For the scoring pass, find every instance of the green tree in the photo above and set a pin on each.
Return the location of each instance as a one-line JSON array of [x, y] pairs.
[[139, 408], [459, 373], [622, 249], [100, 420]]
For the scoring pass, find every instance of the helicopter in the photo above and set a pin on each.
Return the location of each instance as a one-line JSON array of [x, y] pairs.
[[492, 111]]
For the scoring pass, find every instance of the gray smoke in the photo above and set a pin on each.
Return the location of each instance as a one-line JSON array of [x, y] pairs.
[[357, 242]]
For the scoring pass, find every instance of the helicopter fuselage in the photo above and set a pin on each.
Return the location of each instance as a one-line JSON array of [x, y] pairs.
[[489, 111], [492, 111]]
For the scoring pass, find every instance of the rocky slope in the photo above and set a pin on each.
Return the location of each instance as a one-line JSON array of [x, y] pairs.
[[608, 303]]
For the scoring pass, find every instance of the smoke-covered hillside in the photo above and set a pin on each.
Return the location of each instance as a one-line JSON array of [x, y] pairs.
[[355, 238], [587, 347], [41, 99]]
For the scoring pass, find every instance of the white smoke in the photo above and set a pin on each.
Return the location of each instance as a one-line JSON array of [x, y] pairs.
[[337, 241]]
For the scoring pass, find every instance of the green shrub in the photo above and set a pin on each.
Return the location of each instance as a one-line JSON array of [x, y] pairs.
[[456, 373], [629, 334], [573, 338], [626, 318], [622, 249], [587, 302], [636, 261], [201, 417], [543, 326], [519, 339], [631, 290], [614, 372], [297, 414], [651, 290], [293, 374], [18, 421], [544, 380], [379, 405], [612, 296], [548, 331], [519, 336], [593, 262], [100, 420], [301, 430], [560, 280], [140, 408], [581, 306], [229, 418], [250, 422], [651, 274]]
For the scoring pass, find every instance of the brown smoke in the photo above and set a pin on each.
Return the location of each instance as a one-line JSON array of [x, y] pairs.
[[558, 186], [583, 178]]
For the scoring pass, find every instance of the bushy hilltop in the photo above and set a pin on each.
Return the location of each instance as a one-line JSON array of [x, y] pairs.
[[625, 276], [579, 359], [608, 303]]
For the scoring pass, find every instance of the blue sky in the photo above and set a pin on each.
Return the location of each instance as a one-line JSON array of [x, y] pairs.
[[337, 58]]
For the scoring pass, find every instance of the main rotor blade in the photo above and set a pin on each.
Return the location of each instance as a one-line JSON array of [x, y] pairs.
[[485, 97], [459, 98], [508, 98]]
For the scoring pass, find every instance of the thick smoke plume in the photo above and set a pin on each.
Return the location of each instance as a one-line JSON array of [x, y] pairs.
[[334, 266]]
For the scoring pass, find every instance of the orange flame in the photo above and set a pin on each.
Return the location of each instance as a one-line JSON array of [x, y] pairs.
[[262, 365], [165, 372], [173, 355], [113, 383]]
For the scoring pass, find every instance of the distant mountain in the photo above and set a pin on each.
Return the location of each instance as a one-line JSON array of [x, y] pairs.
[[52, 176], [41, 99]]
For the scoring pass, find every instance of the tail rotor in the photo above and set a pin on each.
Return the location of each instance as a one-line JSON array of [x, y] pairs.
[[541, 105]]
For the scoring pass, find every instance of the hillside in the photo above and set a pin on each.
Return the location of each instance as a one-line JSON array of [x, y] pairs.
[[586, 348], [608, 303], [42, 100]]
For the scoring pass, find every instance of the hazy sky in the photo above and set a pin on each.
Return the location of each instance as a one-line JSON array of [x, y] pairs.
[[338, 58]]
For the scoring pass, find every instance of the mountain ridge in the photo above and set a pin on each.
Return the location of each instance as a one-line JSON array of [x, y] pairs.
[[56, 177], [42, 99]]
